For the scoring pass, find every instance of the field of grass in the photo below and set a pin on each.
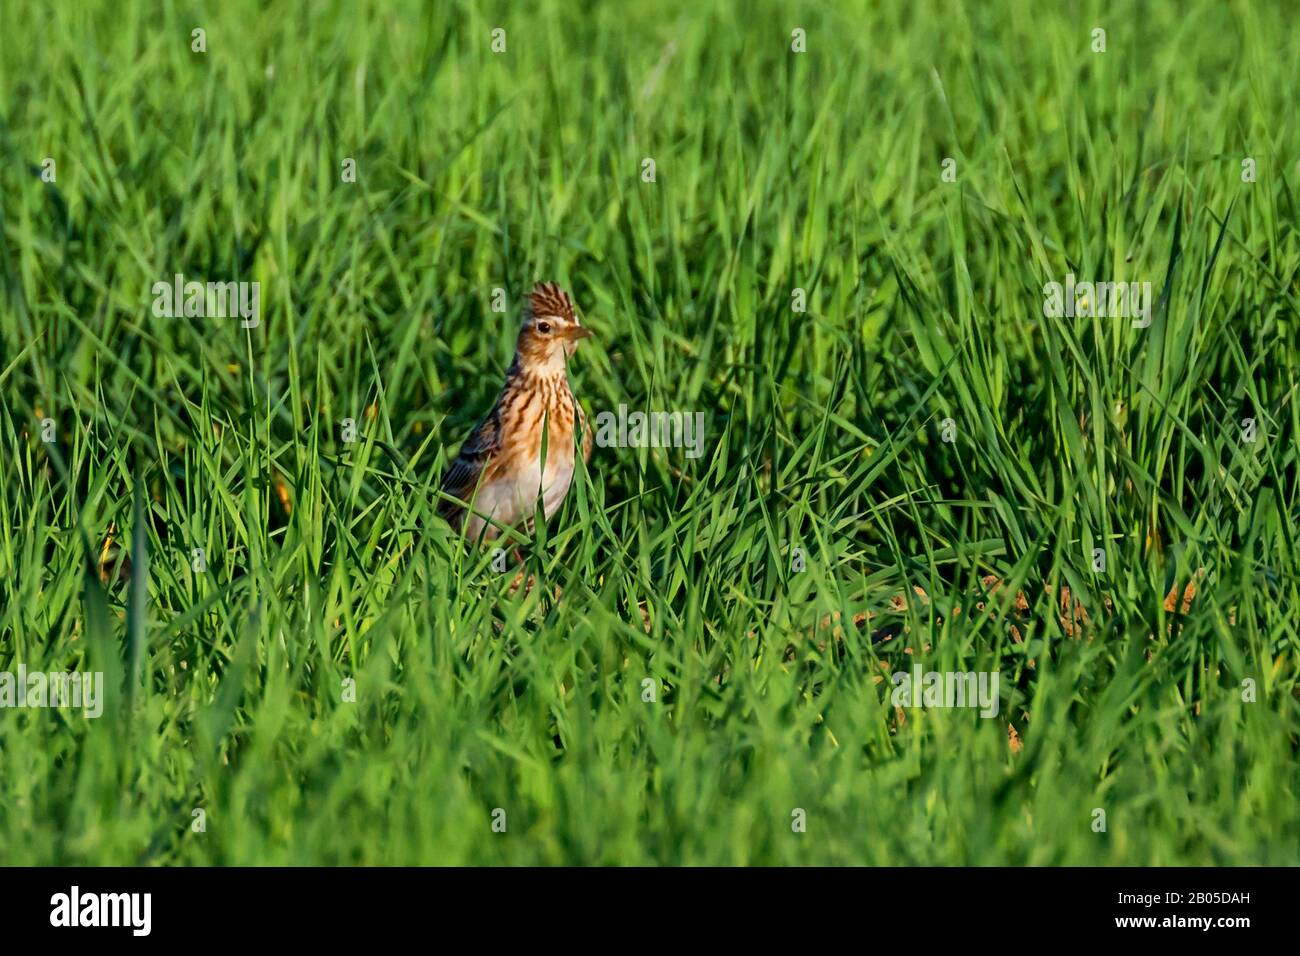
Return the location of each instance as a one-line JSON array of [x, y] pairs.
[[946, 456]]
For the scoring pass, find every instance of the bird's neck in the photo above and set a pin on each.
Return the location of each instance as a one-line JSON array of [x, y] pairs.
[[539, 370]]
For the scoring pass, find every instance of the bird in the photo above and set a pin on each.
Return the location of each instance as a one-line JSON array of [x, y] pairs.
[[525, 447]]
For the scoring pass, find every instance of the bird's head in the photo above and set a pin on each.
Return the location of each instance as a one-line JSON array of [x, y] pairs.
[[551, 330]]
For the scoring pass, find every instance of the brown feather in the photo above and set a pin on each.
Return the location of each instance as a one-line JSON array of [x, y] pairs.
[[547, 298], [508, 440]]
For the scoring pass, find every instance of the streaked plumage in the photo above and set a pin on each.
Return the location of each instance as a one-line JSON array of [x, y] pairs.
[[500, 465]]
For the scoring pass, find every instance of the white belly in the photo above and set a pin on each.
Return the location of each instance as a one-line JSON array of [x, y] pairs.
[[512, 499]]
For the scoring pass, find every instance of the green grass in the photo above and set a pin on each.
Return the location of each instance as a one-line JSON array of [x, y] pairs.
[[774, 171]]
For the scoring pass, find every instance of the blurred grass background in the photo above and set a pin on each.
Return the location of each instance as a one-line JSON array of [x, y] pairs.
[[774, 171]]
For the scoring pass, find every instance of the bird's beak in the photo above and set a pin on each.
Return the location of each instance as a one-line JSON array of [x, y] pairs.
[[577, 332]]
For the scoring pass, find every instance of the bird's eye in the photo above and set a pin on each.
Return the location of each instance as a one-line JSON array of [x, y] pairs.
[[544, 328]]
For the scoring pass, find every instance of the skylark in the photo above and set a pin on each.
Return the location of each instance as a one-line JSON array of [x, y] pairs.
[[525, 447]]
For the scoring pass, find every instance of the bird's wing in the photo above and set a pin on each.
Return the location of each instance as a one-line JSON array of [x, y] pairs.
[[475, 455]]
